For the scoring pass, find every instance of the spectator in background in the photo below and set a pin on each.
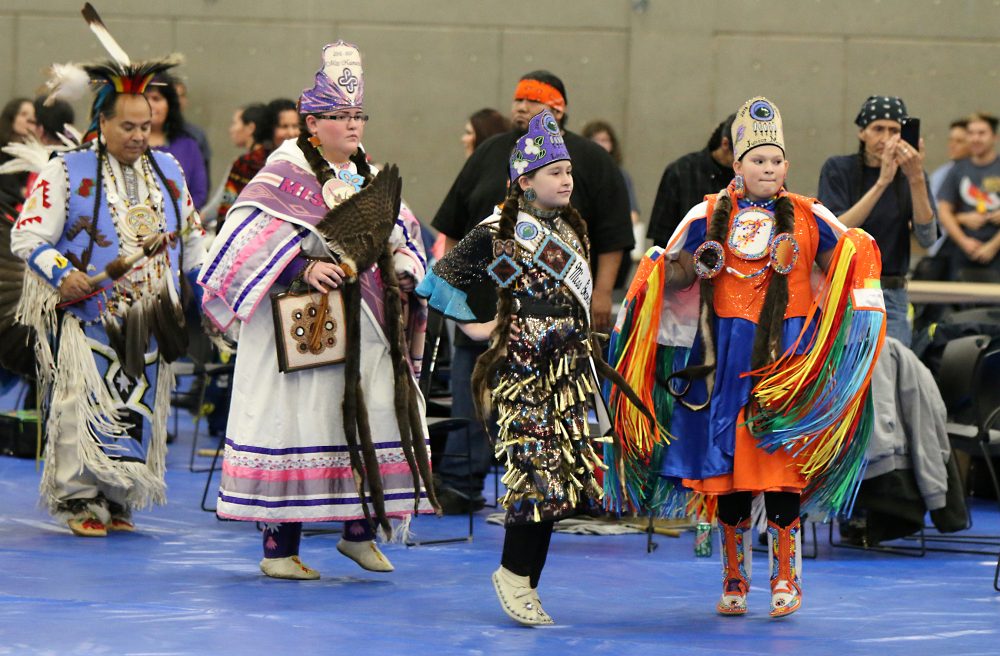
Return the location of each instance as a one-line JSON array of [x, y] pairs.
[[601, 133], [884, 190], [194, 130], [51, 121], [481, 126], [969, 205], [252, 129], [168, 135], [686, 181], [934, 267], [599, 192], [17, 123], [958, 148], [284, 120]]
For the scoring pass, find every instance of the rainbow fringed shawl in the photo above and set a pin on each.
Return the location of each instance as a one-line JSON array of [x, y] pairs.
[[632, 482], [817, 404]]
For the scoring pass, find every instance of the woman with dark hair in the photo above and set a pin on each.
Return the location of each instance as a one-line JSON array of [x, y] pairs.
[[168, 135], [52, 119], [17, 124], [601, 133], [343, 441], [251, 129], [284, 120], [481, 126], [521, 278]]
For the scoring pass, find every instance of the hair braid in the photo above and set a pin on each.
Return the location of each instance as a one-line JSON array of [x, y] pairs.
[[319, 166], [486, 364], [717, 231], [770, 324], [360, 160], [575, 221]]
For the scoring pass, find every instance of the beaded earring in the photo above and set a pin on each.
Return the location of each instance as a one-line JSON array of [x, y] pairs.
[[530, 195], [738, 186]]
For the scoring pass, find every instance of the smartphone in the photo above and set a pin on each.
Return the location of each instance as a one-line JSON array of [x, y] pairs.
[[910, 132]]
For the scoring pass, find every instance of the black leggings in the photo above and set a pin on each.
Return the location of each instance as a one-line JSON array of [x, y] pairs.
[[782, 507], [525, 547]]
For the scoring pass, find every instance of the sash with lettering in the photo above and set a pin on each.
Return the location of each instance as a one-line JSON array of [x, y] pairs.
[[577, 278], [249, 254]]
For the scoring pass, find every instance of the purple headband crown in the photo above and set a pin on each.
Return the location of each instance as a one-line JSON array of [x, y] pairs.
[[541, 145], [340, 84]]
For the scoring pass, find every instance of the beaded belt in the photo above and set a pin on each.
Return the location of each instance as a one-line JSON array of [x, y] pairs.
[[529, 308]]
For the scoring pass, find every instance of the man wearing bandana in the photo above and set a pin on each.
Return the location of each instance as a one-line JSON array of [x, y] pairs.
[[884, 190], [599, 194]]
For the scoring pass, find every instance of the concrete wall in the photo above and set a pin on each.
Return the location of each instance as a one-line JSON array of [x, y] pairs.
[[663, 71]]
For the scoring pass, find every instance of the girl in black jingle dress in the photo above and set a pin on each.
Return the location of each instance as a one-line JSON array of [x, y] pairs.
[[522, 278]]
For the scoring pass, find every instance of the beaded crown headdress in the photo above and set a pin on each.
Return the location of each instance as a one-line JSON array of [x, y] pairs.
[[758, 123], [340, 84], [541, 145]]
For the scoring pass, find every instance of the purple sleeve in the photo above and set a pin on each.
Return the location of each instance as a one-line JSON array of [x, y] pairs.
[[185, 150], [292, 271]]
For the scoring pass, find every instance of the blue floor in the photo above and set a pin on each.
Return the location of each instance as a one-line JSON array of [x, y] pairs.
[[186, 583]]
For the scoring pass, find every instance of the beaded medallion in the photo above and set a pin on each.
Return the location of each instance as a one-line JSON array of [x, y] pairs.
[[751, 233], [554, 256]]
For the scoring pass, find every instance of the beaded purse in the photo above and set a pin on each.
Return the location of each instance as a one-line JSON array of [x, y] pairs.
[[309, 329]]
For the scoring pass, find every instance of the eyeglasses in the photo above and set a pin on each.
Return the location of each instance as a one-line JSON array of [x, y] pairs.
[[346, 118]]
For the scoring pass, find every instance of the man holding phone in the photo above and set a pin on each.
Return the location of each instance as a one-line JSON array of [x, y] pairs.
[[884, 190]]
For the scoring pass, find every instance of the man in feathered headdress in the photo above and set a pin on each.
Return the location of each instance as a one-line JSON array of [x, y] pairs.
[[107, 233]]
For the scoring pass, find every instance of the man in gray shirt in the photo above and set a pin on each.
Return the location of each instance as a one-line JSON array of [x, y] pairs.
[[969, 205]]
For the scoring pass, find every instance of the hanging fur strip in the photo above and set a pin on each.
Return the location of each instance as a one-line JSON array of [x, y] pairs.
[[718, 228], [411, 433], [486, 367], [357, 232], [818, 405], [767, 336], [354, 408], [357, 430]]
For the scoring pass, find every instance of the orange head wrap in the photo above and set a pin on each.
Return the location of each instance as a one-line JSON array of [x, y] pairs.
[[540, 92]]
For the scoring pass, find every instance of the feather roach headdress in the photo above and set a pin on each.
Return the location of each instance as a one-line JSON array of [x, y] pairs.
[[108, 79]]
